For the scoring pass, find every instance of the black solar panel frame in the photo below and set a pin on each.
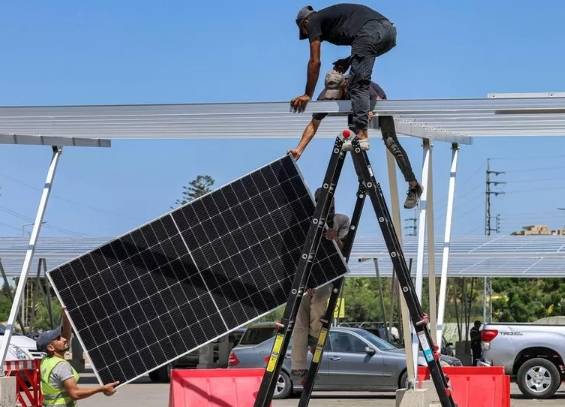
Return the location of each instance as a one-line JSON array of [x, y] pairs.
[[160, 245]]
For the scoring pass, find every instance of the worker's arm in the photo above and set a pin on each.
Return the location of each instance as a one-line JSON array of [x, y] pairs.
[[307, 136], [66, 330], [78, 393], [299, 103]]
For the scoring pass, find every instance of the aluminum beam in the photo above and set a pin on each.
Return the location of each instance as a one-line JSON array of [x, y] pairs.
[[451, 120], [446, 244], [53, 141]]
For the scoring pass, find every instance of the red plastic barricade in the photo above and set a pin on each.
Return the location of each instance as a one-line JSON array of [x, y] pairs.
[[28, 380], [214, 387], [476, 386]]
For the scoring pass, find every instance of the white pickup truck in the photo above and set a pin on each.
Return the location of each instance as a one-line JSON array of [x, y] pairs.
[[532, 353], [21, 347]]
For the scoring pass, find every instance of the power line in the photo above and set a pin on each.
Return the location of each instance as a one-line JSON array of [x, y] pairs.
[[29, 219], [70, 201]]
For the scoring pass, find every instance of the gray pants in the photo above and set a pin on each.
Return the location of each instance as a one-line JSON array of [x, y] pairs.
[[391, 142], [374, 39]]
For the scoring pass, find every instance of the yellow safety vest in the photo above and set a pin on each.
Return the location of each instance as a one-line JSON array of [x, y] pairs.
[[51, 395]]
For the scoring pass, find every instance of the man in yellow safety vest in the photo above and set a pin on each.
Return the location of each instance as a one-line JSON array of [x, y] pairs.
[[58, 378]]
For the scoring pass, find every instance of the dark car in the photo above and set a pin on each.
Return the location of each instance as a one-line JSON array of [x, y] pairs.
[[191, 360], [354, 360]]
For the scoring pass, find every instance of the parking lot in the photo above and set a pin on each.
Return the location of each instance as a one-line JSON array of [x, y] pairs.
[[143, 393]]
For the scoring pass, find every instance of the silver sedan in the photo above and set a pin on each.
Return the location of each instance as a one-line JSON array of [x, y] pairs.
[[354, 360]]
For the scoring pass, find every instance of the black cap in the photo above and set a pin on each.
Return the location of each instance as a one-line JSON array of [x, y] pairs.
[[302, 14]]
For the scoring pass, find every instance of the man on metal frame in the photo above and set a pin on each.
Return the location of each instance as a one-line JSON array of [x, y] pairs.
[[369, 34], [337, 88]]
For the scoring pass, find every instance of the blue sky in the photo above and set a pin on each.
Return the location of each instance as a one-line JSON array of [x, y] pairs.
[[107, 52]]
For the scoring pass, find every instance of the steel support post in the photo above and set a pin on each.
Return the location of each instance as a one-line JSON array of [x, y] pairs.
[[432, 291], [446, 243], [29, 253], [487, 299], [404, 316], [422, 218]]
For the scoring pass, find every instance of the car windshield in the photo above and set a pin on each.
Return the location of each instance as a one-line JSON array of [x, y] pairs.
[[381, 344], [256, 335]]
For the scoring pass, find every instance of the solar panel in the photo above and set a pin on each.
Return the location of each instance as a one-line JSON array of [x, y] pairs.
[[194, 274]]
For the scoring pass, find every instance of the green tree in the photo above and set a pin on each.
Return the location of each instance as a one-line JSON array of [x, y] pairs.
[[526, 300], [199, 186]]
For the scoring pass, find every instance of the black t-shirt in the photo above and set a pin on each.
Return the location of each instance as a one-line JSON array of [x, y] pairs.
[[340, 24]]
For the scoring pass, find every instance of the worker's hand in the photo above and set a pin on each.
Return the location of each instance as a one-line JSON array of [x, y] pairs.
[[298, 104], [310, 291], [331, 234], [295, 153], [109, 389]]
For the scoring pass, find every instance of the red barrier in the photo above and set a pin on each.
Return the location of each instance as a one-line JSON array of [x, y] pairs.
[[475, 386], [214, 387], [28, 380]]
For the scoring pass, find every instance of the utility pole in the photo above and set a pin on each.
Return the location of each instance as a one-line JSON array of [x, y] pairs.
[[489, 192], [412, 226]]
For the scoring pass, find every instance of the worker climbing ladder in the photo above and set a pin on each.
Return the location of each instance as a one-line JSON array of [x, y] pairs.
[[368, 185], [308, 385]]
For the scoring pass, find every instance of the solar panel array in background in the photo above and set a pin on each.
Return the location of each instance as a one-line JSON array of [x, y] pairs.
[[194, 274]]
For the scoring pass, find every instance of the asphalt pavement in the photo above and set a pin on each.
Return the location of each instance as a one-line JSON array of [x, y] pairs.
[[143, 393]]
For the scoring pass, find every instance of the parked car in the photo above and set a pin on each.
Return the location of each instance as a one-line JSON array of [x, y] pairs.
[[257, 333], [354, 360], [391, 334], [533, 354], [21, 347], [191, 360]]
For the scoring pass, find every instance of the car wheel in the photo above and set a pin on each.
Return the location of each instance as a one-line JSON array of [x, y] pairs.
[[283, 388], [538, 378], [403, 382]]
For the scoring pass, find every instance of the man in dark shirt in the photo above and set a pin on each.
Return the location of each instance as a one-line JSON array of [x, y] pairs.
[[368, 33], [476, 342], [337, 87]]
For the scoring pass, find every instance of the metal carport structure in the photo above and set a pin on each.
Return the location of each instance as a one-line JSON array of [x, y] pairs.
[[455, 121]]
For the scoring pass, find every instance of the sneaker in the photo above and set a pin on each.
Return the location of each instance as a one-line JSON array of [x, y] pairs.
[[413, 196], [348, 146]]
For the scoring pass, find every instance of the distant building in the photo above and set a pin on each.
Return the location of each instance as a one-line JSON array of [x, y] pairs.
[[539, 230]]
